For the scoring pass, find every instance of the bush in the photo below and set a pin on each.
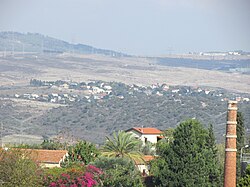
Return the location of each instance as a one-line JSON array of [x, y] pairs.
[[18, 169], [74, 178], [119, 172]]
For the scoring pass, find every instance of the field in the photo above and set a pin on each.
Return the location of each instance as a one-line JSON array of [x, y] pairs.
[[18, 70]]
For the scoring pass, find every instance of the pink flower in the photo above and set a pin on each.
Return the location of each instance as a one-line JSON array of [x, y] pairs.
[[52, 184]]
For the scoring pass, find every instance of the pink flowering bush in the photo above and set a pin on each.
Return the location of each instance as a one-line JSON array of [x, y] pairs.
[[89, 178]]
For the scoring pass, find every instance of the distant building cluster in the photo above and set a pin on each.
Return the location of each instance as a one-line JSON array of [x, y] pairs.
[[63, 91]]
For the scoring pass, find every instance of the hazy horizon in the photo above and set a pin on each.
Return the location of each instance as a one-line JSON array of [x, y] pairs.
[[140, 27]]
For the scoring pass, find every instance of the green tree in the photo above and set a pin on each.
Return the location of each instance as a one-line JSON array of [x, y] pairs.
[[83, 152], [169, 134], [53, 145], [240, 140], [148, 148], [119, 172], [244, 181], [18, 169], [215, 168], [123, 145], [189, 160], [211, 140]]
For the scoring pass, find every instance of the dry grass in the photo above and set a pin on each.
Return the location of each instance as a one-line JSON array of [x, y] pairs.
[[127, 70]]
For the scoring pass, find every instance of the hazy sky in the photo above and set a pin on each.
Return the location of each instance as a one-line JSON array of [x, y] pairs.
[[142, 27]]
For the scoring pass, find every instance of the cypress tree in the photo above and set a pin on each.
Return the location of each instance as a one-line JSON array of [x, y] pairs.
[[240, 140], [189, 160]]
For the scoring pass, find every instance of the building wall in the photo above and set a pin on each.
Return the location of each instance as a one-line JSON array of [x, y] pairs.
[[150, 137], [142, 167], [50, 165]]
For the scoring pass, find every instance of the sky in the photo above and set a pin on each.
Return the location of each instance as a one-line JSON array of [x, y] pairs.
[[138, 27]]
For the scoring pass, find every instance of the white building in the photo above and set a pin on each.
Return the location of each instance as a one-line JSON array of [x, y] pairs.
[[152, 135], [144, 166]]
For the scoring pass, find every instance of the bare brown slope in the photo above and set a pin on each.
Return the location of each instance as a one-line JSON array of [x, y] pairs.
[[20, 70]]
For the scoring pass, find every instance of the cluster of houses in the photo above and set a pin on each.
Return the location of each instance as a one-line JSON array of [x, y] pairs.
[[62, 98], [63, 92], [54, 158]]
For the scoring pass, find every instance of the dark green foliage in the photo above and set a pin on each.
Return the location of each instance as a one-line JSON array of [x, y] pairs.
[[83, 152], [211, 142], [53, 145], [190, 160], [169, 134], [244, 181], [240, 140], [119, 172]]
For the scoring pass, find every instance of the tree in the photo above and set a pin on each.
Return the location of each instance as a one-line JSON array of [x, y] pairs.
[[123, 145], [240, 140], [18, 169], [148, 148], [188, 160], [211, 140], [169, 134], [244, 181], [119, 172], [84, 152]]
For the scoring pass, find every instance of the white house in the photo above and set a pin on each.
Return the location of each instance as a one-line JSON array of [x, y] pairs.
[[144, 167], [152, 135]]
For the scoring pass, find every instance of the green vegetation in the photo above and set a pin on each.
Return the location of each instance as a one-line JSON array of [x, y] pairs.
[[240, 141], [119, 172], [18, 169], [46, 144], [82, 152], [187, 156], [123, 145], [190, 160], [244, 181], [99, 118]]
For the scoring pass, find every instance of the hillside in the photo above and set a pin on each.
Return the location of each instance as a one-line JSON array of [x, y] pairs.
[[34, 42], [95, 109]]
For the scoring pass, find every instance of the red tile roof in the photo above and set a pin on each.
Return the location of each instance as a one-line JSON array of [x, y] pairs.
[[146, 158], [47, 156], [146, 130], [42, 155]]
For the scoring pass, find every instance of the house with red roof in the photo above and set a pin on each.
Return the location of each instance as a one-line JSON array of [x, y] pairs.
[[45, 158], [152, 135], [48, 158]]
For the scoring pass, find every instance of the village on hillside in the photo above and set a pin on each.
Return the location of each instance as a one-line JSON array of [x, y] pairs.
[[63, 91]]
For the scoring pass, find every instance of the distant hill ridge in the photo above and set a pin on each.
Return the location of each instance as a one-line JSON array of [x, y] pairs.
[[35, 42]]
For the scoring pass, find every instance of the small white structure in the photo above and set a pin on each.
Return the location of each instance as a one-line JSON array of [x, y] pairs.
[[152, 135], [97, 90], [144, 166], [55, 94], [107, 87], [175, 91]]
